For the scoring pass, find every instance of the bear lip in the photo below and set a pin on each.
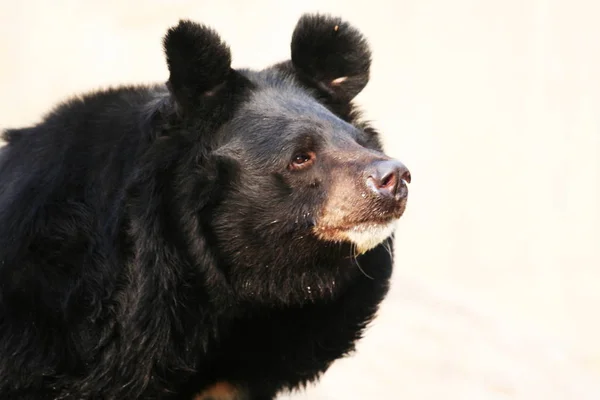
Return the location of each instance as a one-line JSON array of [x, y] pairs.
[[356, 225], [373, 220]]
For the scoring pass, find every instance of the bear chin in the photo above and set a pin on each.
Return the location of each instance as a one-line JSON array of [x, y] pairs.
[[367, 236]]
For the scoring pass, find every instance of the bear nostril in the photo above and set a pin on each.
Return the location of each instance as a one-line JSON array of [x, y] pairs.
[[388, 178], [389, 181], [405, 175]]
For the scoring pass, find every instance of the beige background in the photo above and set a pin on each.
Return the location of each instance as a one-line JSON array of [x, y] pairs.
[[495, 107]]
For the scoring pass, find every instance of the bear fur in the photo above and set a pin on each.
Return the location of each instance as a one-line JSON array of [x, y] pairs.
[[211, 237]]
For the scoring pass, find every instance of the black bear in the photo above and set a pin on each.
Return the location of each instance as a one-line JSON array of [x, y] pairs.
[[226, 235]]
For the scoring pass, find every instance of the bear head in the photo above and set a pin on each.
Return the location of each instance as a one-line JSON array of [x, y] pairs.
[[278, 180]]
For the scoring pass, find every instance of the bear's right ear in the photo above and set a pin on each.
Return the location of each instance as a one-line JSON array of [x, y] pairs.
[[331, 55], [199, 62]]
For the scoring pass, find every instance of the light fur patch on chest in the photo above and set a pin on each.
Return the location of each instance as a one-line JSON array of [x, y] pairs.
[[222, 391]]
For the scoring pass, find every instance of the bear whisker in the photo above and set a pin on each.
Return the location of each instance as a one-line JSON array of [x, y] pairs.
[[355, 255]]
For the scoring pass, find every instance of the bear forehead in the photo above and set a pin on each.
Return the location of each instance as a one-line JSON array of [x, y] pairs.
[[275, 103], [278, 104], [276, 94], [273, 113]]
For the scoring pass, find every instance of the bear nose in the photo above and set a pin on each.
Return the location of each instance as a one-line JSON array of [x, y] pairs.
[[388, 178]]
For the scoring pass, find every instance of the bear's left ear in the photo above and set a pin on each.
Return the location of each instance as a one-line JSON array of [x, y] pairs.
[[199, 63], [332, 55]]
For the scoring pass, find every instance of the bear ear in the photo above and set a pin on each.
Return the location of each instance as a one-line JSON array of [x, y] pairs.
[[199, 62], [330, 53]]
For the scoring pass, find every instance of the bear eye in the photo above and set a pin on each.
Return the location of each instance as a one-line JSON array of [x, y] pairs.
[[302, 160]]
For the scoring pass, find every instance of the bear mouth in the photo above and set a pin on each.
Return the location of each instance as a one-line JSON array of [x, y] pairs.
[[363, 235], [367, 236]]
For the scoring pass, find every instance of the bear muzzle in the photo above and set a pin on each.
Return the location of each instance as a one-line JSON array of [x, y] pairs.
[[364, 211]]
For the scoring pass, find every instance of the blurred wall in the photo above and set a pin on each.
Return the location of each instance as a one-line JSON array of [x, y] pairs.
[[495, 107]]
